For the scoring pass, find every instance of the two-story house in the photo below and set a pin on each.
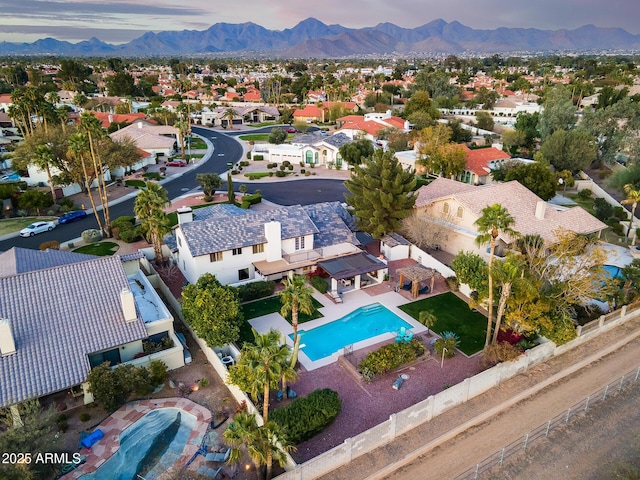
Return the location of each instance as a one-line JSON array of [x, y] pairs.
[[239, 246]]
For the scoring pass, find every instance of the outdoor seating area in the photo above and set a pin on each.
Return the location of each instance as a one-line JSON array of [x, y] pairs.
[[404, 335], [417, 276]]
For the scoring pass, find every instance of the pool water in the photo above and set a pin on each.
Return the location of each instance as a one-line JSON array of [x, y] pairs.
[[149, 447], [613, 271], [361, 324]]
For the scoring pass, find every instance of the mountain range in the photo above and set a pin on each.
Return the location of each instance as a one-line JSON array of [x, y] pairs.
[[313, 39]]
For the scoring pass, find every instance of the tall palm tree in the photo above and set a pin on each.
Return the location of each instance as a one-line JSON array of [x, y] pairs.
[[261, 366], [78, 147], [495, 220], [296, 297], [507, 274], [44, 158], [149, 209], [182, 127], [229, 113], [264, 444], [633, 197]]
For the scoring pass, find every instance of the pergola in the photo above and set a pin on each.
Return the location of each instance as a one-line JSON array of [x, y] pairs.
[[417, 274]]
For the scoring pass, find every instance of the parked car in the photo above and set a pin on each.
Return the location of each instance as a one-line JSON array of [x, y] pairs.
[[291, 130], [37, 227], [72, 216], [176, 163]]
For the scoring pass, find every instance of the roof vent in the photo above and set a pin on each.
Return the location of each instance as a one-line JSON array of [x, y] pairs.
[[7, 343], [128, 305], [541, 207]]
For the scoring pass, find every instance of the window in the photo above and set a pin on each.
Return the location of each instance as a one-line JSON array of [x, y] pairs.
[[243, 274], [299, 243], [215, 257], [237, 251], [460, 212], [258, 248], [445, 208], [112, 356], [309, 157], [338, 161]]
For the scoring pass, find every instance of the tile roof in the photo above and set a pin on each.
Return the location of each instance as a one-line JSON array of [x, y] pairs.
[[479, 160], [236, 231], [332, 230], [21, 260], [58, 316], [518, 200]]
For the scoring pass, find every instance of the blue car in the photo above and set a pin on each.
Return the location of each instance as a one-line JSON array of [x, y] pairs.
[[72, 216]]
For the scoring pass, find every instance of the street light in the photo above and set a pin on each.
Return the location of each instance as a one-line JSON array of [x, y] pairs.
[[444, 349], [562, 182]]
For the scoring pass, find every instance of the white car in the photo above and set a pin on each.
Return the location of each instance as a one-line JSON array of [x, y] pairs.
[[37, 227]]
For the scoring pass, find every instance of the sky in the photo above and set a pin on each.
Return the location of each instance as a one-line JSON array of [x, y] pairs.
[[119, 21]]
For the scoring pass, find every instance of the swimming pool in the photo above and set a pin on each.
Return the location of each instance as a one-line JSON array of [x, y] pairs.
[[149, 447], [361, 324], [613, 271]]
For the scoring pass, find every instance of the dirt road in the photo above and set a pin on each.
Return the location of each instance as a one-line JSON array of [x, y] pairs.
[[410, 455]]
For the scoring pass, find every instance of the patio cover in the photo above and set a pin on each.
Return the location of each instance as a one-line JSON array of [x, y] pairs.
[[351, 265], [417, 274]]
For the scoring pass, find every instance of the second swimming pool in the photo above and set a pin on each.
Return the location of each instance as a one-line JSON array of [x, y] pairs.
[[361, 324]]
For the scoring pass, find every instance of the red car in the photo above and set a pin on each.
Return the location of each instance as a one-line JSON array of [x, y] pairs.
[[176, 163], [291, 130]]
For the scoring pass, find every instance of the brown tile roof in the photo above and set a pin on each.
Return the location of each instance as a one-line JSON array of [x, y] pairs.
[[518, 200]]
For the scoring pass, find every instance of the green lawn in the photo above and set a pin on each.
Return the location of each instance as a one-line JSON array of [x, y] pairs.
[[101, 249], [197, 144], [453, 315], [268, 305], [256, 137], [11, 225]]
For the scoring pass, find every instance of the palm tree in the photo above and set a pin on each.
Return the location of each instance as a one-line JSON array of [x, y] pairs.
[[154, 222], [261, 365], [78, 147], [507, 274], [495, 220], [633, 197], [229, 113], [43, 158], [264, 444], [182, 127], [427, 318], [296, 297]]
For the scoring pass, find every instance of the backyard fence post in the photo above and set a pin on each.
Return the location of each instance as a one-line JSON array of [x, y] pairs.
[[568, 413], [526, 440], [476, 473], [637, 374], [546, 434], [501, 457], [586, 405], [579, 330], [606, 389], [621, 383]]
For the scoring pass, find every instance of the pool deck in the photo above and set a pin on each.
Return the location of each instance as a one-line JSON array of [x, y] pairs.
[[332, 311], [124, 417]]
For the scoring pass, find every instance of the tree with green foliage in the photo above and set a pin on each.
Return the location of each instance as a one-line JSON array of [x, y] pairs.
[[420, 101], [494, 221], [484, 120], [570, 150], [121, 84], [277, 136], [261, 366], [632, 194], [438, 154], [149, 210], [381, 194], [527, 124], [296, 297], [209, 182], [34, 200], [44, 159], [536, 176], [212, 310], [354, 153], [265, 444], [485, 97], [472, 270], [508, 274], [34, 433], [559, 112]]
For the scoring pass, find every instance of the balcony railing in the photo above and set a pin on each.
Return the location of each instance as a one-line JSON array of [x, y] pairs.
[[303, 256]]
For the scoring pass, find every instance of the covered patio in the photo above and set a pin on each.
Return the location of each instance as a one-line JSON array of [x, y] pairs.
[[353, 272], [417, 275]]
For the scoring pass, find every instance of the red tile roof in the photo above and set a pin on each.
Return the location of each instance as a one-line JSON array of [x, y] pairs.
[[108, 118], [478, 160]]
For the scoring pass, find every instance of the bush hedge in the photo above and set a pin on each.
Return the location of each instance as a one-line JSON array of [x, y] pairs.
[[306, 417], [319, 284], [92, 235], [50, 245], [124, 222], [251, 199], [390, 357], [255, 290], [130, 235]]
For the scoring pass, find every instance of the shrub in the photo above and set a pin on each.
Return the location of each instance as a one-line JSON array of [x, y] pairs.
[[50, 245], [619, 213], [585, 194], [85, 417], [617, 228], [203, 382], [134, 183], [272, 165], [290, 167], [131, 235], [67, 202], [283, 166], [280, 173], [255, 290], [390, 357], [244, 163], [602, 209], [319, 284], [446, 346], [92, 235], [302, 170], [286, 164], [249, 155], [271, 174], [307, 173], [61, 421], [306, 417], [452, 283], [152, 176], [251, 199], [499, 352], [124, 222]]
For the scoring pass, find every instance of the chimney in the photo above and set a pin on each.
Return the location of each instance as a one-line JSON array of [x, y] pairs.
[[540, 209], [7, 343], [185, 215], [128, 305], [140, 125], [110, 118], [273, 233]]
